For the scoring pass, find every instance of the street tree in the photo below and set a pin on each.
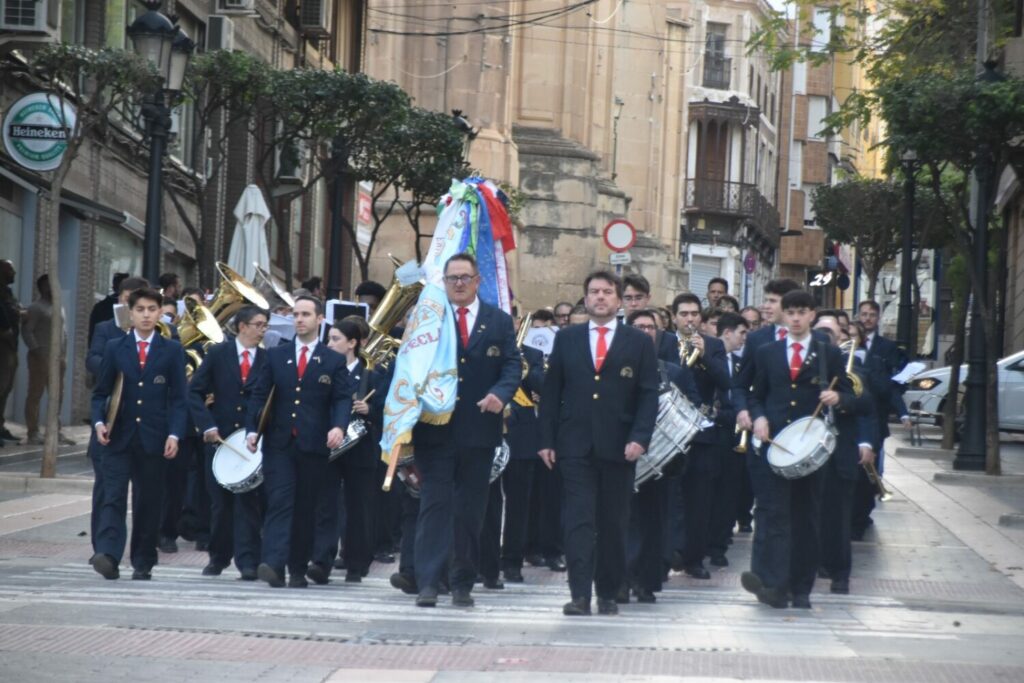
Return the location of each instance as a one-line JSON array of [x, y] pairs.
[[96, 83]]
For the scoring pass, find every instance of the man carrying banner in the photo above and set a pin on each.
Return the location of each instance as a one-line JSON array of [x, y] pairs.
[[454, 459]]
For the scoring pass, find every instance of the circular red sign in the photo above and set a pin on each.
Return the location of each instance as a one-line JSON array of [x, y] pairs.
[[619, 235]]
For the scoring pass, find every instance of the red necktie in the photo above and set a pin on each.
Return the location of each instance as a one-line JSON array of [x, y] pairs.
[[782, 333], [142, 353], [246, 366], [602, 348], [463, 327], [796, 361], [302, 361]]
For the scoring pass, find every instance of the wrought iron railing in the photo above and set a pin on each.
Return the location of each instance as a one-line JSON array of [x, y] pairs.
[[737, 199]]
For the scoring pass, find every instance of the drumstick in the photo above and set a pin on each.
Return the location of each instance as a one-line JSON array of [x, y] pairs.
[[779, 446], [368, 395], [232, 448], [821, 404]]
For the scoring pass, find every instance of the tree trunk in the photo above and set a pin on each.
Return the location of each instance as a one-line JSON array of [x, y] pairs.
[[993, 336], [54, 391], [949, 411], [872, 284]]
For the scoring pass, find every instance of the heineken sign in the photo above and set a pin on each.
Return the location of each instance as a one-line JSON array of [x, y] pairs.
[[35, 133]]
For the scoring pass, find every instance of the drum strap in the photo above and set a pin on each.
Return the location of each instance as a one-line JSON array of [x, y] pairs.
[[364, 382], [665, 381]]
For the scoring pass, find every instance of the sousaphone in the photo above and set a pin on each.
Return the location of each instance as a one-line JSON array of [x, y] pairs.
[[272, 289]]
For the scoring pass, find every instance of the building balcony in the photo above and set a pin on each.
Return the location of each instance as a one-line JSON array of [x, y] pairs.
[[717, 72], [742, 200]]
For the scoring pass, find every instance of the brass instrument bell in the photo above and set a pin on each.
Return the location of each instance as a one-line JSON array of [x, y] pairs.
[[380, 346], [744, 440], [689, 353], [233, 293]]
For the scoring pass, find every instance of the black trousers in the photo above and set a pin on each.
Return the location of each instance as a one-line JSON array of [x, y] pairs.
[[745, 494], [647, 535], [785, 551], [293, 482], [359, 494], [453, 501], [145, 472], [197, 510], [863, 504], [97, 488], [724, 496], [836, 508], [410, 512], [387, 515], [175, 485], [545, 525], [517, 483], [596, 515], [490, 536], [235, 521], [698, 483]]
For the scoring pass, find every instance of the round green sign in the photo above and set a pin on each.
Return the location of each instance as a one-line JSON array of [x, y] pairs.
[[35, 133]]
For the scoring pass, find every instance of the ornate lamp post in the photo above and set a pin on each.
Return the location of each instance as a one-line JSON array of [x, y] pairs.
[[905, 336]]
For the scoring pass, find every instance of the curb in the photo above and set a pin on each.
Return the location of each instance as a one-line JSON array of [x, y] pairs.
[[1013, 519], [977, 479], [33, 484], [922, 452]]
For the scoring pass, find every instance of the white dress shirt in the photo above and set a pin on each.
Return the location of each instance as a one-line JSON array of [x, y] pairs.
[[311, 346], [239, 348], [148, 340], [608, 336], [471, 312], [870, 340]]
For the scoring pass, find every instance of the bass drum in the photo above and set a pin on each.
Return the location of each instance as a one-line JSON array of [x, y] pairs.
[[410, 475]]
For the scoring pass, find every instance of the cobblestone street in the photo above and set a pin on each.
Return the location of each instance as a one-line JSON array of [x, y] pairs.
[[937, 595]]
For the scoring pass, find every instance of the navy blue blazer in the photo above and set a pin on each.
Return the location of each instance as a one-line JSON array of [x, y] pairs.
[[713, 384], [682, 377], [583, 411], [783, 400], [744, 380], [523, 424], [856, 426], [366, 453], [104, 332], [667, 345], [490, 364], [153, 401], [318, 403], [883, 360], [220, 374]]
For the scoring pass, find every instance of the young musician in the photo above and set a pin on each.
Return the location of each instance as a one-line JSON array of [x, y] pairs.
[[793, 375], [149, 423], [227, 375], [309, 413]]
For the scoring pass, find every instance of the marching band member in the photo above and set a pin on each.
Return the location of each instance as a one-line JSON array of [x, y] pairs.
[[308, 417], [786, 388], [356, 468], [149, 424], [598, 409], [647, 518], [703, 466], [455, 459], [636, 296], [732, 331], [228, 373], [854, 449]]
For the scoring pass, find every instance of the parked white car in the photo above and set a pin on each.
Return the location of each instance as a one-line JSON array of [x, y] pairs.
[[927, 391]]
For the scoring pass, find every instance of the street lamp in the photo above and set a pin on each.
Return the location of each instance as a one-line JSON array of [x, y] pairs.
[[971, 455], [158, 39], [905, 322]]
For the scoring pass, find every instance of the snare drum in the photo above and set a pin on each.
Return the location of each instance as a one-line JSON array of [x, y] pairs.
[[677, 424], [802, 448], [356, 431], [234, 467]]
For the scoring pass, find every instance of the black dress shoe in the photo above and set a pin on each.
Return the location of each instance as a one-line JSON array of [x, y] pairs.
[[6, 435], [248, 574], [213, 569], [384, 558], [202, 546], [274, 578], [105, 566], [719, 561], [840, 587], [677, 561], [746, 529], [802, 601], [462, 598], [404, 583], [536, 560], [622, 597], [427, 598], [644, 595], [167, 545], [297, 581], [697, 571], [607, 606], [142, 575], [493, 584], [339, 562], [577, 608], [556, 563], [513, 575], [772, 597], [353, 577], [318, 573]]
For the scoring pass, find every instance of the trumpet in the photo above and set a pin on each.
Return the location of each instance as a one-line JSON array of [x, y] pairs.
[[689, 353], [524, 329], [883, 493], [850, 349], [744, 439]]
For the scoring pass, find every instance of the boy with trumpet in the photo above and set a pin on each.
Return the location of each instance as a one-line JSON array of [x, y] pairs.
[[796, 377]]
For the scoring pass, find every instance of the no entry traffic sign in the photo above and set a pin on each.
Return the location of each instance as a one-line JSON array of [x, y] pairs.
[[619, 235]]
